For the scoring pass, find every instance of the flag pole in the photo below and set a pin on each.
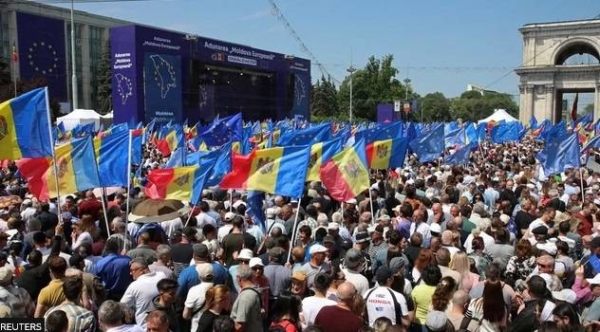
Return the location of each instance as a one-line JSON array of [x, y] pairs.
[[104, 198], [294, 230], [371, 203], [581, 181], [55, 165], [190, 214], [128, 177]]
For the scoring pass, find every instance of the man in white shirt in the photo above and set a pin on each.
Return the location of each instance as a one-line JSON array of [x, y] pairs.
[[203, 218], [195, 300], [419, 225], [142, 291], [382, 301], [544, 220], [353, 266], [227, 227]]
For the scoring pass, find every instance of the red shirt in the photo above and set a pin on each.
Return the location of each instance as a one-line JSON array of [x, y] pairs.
[[91, 207], [336, 319]]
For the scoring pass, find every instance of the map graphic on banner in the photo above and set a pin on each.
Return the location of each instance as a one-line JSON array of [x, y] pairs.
[[162, 85], [164, 75], [124, 87]]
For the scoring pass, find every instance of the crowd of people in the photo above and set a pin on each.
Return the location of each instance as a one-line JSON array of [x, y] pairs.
[[494, 245]]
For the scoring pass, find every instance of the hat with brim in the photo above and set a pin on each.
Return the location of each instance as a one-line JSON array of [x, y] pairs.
[[362, 237], [156, 210]]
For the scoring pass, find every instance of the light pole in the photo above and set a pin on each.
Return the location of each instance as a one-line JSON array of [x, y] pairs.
[[73, 61], [351, 70], [406, 83]]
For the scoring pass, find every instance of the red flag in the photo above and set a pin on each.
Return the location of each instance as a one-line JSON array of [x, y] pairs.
[[15, 55], [574, 109]]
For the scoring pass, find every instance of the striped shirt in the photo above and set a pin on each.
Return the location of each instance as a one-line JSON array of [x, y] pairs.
[[80, 319]]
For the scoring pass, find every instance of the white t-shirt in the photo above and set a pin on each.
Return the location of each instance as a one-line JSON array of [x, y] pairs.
[[223, 231], [311, 307], [380, 303], [81, 239], [195, 299], [359, 281]]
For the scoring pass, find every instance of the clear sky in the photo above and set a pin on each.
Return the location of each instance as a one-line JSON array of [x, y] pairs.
[[440, 45]]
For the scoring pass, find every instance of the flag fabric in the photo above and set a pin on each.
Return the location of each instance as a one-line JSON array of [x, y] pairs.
[[24, 128], [307, 136], [15, 55], [173, 139], [430, 146], [180, 183], [346, 175], [380, 132], [112, 158], [254, 199], [76, 166], [460, 156], [279, 171], [224, 130], [574, 108], [559, 155], [137, 136], [505, 132], [319, 154], [533, 123], [386, 154], [455, 137], [593, 143]]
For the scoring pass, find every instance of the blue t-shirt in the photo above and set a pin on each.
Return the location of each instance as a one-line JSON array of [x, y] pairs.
[[113, 270]]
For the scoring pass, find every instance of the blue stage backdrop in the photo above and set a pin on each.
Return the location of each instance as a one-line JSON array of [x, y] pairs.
[[126, 90], [156, 93], [162, 87], [41, 52]]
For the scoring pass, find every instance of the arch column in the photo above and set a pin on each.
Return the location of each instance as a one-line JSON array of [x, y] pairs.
[[549, 89], [597, 102], [529, 99]]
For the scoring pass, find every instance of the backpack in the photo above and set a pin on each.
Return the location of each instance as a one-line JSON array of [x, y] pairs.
[[282, 326], [397, 308]]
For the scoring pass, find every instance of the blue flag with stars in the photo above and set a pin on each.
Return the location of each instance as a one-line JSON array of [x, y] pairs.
[[559, 155], [430, 146], [306, 136], [380, 133], [460, 156]]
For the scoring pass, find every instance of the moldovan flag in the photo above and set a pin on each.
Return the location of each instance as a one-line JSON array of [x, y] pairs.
[[180, 183], [76, 166], [24, 128], [112, 158], [319, 154], [171, 142], [386, 154], [346, 175], [279, 171]]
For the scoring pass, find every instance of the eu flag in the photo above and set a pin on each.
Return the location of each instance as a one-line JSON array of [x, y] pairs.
[[460, 156], [430, 146], [560, 155], [306, 136]]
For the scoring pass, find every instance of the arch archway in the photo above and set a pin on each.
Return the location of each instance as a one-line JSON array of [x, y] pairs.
[[558, 58]]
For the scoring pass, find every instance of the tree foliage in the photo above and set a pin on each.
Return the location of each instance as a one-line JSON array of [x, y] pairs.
[[104, 81], [323, 101], [374, 84], [435, 107], [473, 106]]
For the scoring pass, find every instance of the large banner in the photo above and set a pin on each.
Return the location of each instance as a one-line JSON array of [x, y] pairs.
[[124, 74], [42, 52], [162, 87]]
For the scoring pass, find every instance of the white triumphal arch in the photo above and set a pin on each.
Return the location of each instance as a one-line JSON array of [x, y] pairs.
[[546, 74]]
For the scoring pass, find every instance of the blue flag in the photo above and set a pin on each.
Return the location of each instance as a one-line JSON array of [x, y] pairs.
[[460, 156], [254, 199], [430, 146], [307, 136], [560, 155]]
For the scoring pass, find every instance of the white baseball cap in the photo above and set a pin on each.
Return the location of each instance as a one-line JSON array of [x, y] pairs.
[[317, 248]]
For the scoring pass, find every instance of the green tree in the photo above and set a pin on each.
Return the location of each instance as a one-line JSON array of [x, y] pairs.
[[589, 108], [376, 83], [104, 81], [434, 107], [473, 106], [324, 102]]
